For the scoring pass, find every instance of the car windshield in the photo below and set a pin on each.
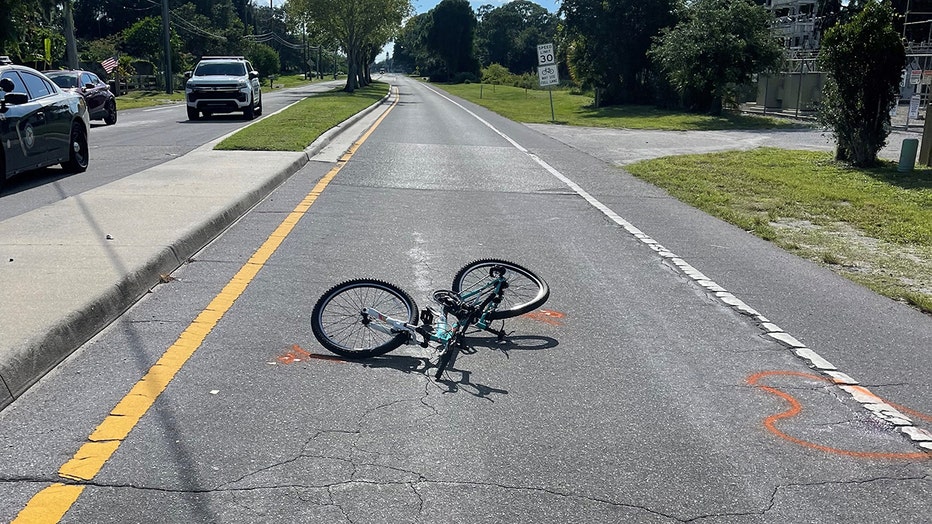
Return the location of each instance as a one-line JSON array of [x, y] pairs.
[[222, 68], [64, 81]]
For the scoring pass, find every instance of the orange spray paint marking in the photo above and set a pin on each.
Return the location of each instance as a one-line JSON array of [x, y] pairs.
[[297, 354], [796, 408], [546, 316]]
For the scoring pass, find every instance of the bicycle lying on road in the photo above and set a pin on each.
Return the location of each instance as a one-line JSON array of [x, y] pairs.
[[363, 317]]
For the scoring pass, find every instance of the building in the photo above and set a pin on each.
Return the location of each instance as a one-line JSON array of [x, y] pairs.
[[795, 22], [798, 86]]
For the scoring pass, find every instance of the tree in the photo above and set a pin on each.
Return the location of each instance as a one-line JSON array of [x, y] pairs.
[[411, 50], [452, 36], [100, 18], [863, 59], [264, 59], [606, 43], [509, 35], [24, 25], [717, 46], [358, 25]]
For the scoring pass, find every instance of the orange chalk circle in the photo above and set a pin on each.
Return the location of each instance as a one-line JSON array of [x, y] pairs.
[[795, 408]]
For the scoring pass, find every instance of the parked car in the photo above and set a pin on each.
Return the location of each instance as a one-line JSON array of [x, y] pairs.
[[101, 102], [40, 125], [223, 84]]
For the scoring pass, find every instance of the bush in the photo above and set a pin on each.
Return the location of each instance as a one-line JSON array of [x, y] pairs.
[[264, 59], [495, 74], [464, 78], [863, 58], [499, 75]]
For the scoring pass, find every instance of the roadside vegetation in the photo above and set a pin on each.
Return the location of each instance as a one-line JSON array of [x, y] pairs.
[[871, 225], [298, 126], [533, 106]]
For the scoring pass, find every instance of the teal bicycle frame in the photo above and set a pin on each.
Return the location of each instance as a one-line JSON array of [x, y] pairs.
[[464, 306]]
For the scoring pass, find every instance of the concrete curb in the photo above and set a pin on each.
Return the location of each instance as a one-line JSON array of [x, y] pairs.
[[85, 274]]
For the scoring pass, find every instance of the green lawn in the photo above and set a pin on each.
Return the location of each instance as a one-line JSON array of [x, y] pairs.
[[298, 126], [873, 226], [137, 99], [533, 106]]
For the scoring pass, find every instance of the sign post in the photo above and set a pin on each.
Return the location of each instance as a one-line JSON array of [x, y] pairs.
[[547, 73]]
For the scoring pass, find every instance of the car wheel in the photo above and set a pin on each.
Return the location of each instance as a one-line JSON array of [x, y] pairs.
[[77, 150], [111, 117], [2, 170], [259, 109], [249, 112], [192, 113]]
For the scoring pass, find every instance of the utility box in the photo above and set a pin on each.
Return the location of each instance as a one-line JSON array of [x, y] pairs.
[[908, 155]]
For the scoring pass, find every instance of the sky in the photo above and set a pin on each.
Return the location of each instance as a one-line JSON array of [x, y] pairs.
[[423, 6]]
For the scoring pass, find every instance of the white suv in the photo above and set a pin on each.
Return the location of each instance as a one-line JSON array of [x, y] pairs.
[[223, 84]]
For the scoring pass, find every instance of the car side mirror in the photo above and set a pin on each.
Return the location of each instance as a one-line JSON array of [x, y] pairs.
[[89, 86], [253, 74], [187, 75], [6, 85], [15, 98]]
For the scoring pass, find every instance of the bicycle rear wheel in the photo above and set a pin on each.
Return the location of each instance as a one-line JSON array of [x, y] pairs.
[[341, 325], [525, 291]]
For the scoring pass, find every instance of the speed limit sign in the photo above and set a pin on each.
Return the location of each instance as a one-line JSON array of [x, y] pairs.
[[545, 54]]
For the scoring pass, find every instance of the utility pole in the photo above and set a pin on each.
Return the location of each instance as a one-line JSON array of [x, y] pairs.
[[71, 46], [168, 48]]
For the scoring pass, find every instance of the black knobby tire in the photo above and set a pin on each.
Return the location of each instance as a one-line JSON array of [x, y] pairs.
[[340, 326], [77, 150], [250, 111], [259, 108], [111, 116], [525, 292], [193, 114], [446, 359]]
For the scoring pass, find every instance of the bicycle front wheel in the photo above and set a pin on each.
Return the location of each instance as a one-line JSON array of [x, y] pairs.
[[525, 290], [341, 324]]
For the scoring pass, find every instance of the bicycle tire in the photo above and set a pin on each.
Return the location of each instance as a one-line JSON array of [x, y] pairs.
[[525, 292], [339, 325], [445, 360]]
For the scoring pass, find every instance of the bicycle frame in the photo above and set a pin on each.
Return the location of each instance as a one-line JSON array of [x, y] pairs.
[[443, 332]]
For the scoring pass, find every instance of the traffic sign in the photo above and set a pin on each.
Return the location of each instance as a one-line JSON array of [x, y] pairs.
[[545, 55], [548, 75]]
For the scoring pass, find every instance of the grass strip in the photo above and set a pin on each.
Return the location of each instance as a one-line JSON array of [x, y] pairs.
[[533, 106], [137, 99], [873, 226], [298, 126], [150, 98]]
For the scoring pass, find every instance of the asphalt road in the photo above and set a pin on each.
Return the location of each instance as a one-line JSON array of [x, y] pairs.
[[140, 139], [640, 397]]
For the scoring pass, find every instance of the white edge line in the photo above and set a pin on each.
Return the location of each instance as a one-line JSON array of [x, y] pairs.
[[919, 436]]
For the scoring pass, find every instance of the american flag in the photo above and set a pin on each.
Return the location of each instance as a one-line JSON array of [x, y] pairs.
[[109, 64]]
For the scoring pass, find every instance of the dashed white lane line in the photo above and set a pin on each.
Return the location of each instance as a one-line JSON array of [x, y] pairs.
[[874, 404]]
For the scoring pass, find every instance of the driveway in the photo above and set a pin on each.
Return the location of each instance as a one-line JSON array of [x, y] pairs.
[[626, 146]]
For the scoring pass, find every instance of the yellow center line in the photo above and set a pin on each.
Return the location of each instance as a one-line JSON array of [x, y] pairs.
[[51, 504]]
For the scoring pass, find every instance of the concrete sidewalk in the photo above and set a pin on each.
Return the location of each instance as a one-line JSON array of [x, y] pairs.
[[69, 269]]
